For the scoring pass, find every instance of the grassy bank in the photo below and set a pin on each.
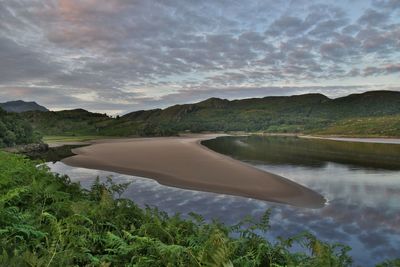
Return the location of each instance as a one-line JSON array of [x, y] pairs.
[[384, 126], [77, 138]]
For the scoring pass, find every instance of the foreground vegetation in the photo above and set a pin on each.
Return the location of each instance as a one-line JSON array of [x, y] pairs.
[[45, 220]]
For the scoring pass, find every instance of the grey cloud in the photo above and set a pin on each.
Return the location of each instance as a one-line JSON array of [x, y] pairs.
[[115, 47], [351, 29], [326, 28], [373, 18], [354, 72], [342, 46], [288, 25], [332, 50], [388, 69], [378, 41], [19, 63], [387, 4]]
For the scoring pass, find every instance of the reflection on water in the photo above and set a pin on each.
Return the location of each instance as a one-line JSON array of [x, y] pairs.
[[361, 181], [287, 150]]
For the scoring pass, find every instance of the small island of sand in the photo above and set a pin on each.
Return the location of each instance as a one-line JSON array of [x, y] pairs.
[[183, 162]]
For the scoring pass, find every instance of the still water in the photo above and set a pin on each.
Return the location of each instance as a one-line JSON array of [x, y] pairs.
[[360, 180]]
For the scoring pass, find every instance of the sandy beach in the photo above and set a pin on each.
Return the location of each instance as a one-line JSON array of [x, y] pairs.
[[184, 163]]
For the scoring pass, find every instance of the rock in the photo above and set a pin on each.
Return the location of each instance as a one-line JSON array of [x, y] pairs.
[[39, 147]]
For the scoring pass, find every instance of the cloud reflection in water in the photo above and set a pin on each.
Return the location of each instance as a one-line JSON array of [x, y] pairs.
[[362, 212]]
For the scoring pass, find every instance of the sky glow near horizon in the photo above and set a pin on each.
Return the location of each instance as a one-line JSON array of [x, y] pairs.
[[117, 56]]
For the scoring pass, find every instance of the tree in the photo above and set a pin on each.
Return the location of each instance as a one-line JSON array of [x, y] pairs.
[[15, 130]]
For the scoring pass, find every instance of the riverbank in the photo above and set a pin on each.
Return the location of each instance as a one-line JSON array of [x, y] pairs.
[[350, 138], [381, 140]]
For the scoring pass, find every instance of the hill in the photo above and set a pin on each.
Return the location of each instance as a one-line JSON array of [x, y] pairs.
[[300, 113], [22, 106], [308, 113]]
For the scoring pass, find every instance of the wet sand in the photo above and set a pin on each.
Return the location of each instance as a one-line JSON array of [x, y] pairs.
[[184, 163]]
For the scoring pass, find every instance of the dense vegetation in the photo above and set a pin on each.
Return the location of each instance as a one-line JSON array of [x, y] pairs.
[[15, 130], [372, 113], [80, 122], [45, 220]]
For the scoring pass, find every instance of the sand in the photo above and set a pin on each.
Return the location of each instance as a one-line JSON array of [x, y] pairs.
[[184, 163]]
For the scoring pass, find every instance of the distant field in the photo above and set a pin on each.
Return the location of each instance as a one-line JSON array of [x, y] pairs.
[[83, 138]]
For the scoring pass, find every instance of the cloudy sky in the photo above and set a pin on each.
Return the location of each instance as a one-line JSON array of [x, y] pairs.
[[116, 56]]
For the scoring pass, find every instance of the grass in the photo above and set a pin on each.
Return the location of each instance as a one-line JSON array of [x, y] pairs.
[[61, 139], [383, 126]]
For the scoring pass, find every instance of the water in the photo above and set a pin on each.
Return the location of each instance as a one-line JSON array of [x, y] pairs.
[[360, 180]]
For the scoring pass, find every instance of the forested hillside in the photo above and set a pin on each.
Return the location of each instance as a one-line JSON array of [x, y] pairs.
[[357, 114], [15, 130], [81, 122]]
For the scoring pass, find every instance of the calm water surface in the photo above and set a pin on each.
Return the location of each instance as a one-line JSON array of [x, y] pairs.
[[360, 180]]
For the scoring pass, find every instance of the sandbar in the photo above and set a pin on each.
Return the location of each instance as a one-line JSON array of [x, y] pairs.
[[184, 163]]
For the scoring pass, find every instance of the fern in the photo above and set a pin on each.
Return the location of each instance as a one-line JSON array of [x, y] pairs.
[[46, 220]]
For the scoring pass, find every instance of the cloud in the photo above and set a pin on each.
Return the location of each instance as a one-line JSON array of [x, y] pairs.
[[123, 51], [387, 69], [19, 63], [387, 4], [288, 25], [373, 18]]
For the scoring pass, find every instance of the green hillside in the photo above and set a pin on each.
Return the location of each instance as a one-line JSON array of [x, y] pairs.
[[309, 113], [68, 122], [81, 122], [15, 130]]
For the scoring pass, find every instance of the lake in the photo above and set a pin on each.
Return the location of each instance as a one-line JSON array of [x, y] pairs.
[[360, 180]]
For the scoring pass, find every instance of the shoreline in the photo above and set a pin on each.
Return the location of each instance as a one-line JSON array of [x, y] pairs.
[[361, 139], [366, 139], [374, 140], [183, 162]]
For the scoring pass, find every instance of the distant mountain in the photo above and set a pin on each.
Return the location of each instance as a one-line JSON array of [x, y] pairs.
[[371, 113], [21, 106]]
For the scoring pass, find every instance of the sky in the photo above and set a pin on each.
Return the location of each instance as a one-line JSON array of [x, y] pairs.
[[116, 56]]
